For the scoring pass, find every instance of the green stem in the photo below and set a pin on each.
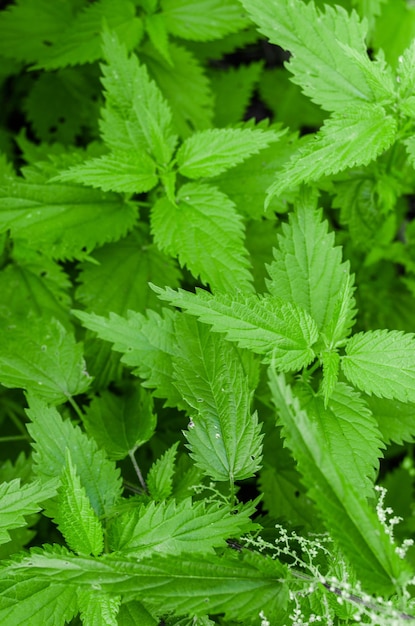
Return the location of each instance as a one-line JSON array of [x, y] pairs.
[[75, 407], [14, 438], [137, 470]]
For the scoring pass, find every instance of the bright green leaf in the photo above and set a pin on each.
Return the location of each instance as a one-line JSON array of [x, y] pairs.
[[236, 587], [52, 436], [75, 516], [159, 479], [43, 358], [279, 330], [16, 501], [355, 137], [308, 271], [211, 152], [136, 117], [118, 171], [329, 59], [57, 217], [344, 509], [80, 42], [178, 528], [382, 362], [98, 609], [187, 18], [206, 233]]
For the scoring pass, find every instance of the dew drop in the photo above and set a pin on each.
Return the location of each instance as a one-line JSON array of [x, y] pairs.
[[199, 399], [217, 436], [43, 348], [191, 424]]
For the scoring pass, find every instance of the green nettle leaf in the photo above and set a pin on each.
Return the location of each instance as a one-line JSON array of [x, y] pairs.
[[396, 420], [187, 18], [331, 365], [308, 271], [356, 137], [49, 604], [133, 613], [119, 171], [344, 509], [52, 437], [17, 501], [75, 516], [43, 358], [159, 479], [98, 609], [118, 279], [351, 434], [136, 117], [178, 528], [382, 362], [329, 58], [233, 91], [281, 331], [120, 424], [28, 29], [206, 233], [80, 42], [212, 376], [149, 345], [33, 283], [173, 79], [211, 152], [56, 217], [236, 587]]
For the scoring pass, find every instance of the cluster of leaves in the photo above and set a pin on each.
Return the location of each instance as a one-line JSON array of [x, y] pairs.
[[207, 365]]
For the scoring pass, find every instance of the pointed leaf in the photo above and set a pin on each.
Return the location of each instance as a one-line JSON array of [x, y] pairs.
[[43, 358], [308, 271], [54, 605], [119, 171], [396, 420], [356, 137], [159, 479], [279, 330], [52, 436], [16, 501], [29, 28], [345, 511], [57, 217], [97, 608], [206, 233], [331, 364], [177, 528], [350, 431], [187, 18], [75, 516], [211, 152], [189, 114], [119, 282], [136, 117], [80, 42], [148, 346], [120, 424], [236, 587], [212, 376], [321, 45], [133, 613], [382, 362]]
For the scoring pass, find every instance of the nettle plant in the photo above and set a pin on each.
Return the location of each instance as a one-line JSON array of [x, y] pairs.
[[207, 358]]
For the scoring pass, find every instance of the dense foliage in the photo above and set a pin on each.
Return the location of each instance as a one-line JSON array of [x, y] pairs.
[[207, 278]]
